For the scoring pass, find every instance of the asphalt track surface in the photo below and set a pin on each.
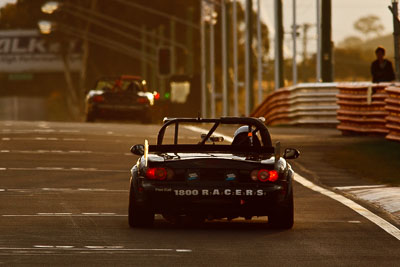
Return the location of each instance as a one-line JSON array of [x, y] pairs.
[[64, 198]]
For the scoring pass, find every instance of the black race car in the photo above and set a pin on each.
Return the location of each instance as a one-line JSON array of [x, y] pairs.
[[243, 178], [125, 96]]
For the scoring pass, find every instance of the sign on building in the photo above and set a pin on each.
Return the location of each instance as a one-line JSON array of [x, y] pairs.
[[29, 51]]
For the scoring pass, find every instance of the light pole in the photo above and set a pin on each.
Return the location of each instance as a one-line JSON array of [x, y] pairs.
[[396, 36], [203, 61], [248, 58], [294, 36], [224, 61], [319, 57], [235, 62], [259, 53], [212, 62], [279, 82]]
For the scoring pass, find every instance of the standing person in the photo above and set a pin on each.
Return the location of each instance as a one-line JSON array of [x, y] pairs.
[[381, 68]]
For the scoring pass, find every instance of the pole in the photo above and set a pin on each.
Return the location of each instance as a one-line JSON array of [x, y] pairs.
[[326, 41], [203, 62], [162, 80], [189, 43], [153, 40], [306, 27], [278, 45], [212, 62], [85, 58], [259, 54], [172, 47], [144, 52], [235, 62], [224, 61], [294, 34], [318, 41], [396, 36], [248, 58]]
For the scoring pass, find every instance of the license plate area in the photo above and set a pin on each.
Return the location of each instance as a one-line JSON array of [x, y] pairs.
[[227, 192]]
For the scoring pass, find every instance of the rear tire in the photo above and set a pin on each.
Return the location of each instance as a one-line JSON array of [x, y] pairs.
[[138, 215], [283, 218]]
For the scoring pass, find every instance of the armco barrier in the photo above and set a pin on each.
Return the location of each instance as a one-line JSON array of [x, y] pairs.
[[393, 110], [313, 103], [274, 108], [362, 108]]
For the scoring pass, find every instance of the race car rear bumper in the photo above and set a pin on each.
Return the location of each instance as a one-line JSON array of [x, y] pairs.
[[223, 201]]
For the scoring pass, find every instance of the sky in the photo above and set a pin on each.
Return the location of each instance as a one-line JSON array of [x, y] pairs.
[[4, 2], [344, 14]]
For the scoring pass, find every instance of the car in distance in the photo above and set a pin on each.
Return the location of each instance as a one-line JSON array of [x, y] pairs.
[[206, 180], [122, 97]]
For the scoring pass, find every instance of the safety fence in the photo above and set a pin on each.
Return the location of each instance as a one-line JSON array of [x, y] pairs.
[[393, 113], [303, 104], [354, 108], [362, 108]]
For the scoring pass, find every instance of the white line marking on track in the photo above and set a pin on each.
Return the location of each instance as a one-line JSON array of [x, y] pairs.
[[24, 131], [69, 131], [62, 169], [93, 248], [75, 152], [42, 139], [385, 225], [66, 214]]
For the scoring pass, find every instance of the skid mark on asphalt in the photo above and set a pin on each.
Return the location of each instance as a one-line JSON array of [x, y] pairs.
[[359, 187], [385, 225]]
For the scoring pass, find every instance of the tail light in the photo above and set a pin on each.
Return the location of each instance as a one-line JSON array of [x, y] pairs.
[[160, 174], [264, 175], [98, 98], [156, 95]]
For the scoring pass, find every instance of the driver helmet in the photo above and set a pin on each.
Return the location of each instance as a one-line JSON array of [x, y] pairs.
[[241, 137]]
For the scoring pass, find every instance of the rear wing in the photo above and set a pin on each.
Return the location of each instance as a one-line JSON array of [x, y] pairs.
[[184, 148]]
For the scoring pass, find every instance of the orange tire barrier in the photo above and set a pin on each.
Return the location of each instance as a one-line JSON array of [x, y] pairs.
[[312, 103], [362, 109], [393, 113], [274, 108]]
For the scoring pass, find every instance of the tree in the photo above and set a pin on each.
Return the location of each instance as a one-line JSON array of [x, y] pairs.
[[351, 42], [368, 25]]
